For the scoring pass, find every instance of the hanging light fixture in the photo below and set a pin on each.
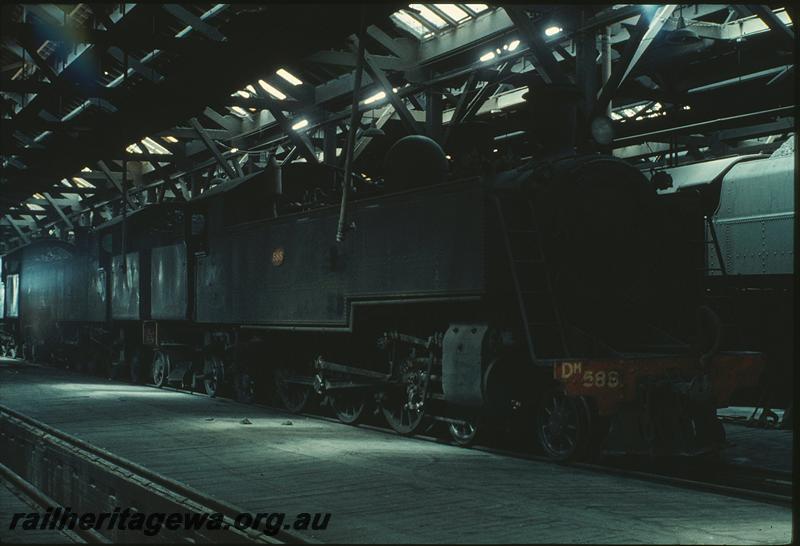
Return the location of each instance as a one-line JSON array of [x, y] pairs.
[[682, 34]]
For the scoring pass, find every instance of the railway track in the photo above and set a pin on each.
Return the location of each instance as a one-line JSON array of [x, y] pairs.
[[700, 474]]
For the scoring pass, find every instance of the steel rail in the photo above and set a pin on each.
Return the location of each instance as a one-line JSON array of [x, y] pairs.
[[707, 486]]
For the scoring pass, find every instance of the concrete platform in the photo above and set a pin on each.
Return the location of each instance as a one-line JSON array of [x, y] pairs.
[[758, 447], [378, 487]]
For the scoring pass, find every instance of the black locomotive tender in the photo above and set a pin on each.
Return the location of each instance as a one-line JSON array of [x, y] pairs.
[[546, 290]]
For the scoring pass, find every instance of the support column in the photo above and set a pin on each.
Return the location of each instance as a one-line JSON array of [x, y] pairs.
[[329, 144], [433, 114], [605, 61]]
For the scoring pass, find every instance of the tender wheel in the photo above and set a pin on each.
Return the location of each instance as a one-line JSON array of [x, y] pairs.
[[161, 368], [245, 387], [349, 406], [293, 396], [463, 433], [213, 373], [561, 426]]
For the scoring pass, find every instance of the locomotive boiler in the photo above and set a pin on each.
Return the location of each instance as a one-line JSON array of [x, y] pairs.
[[747, 242], [542, 291]]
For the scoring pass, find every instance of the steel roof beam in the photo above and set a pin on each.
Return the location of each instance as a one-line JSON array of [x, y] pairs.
[[17, 229], [212, 147], [377, 74], [783, 33], [132, 62], [348, 59], [115, 182], [401, 47], [540, 53], [301, 141], [185, 16], [58, 210], [47, 70], [641, 37], [461, 105]]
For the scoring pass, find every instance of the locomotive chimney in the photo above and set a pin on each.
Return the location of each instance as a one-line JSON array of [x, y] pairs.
[[552, 119]]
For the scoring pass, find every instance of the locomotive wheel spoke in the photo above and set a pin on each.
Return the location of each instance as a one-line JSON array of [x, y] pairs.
[[293, 396], [349, 406], [213, 374], [563, 431], [161, 368], [245, 386], [398, 415]]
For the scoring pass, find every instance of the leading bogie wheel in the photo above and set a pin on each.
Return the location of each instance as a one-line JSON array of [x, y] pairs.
[[161, 368], [464, 433], [561, 426]]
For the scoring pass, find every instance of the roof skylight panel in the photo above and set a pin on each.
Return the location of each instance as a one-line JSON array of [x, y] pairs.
[[477, 8], [453, 12], [82, 182], [429, 15], [154, 147], [405, 21]]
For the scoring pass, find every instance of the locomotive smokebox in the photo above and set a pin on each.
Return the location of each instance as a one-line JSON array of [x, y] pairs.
[[414, 161], [552, 111]]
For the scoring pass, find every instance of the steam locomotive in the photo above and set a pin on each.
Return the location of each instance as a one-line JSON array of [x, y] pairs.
[[748, 202], [553, 290]]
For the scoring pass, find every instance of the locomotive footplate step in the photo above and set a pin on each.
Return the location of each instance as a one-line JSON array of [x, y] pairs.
[[377, 486]]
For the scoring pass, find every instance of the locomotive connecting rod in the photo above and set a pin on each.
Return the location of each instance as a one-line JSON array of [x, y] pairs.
[[322, 365]]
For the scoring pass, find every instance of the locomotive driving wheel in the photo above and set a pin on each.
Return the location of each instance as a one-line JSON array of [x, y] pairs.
[[161, 368], [349, 405], [293, 395], [213, 374], [403, 403], [561, 426], [244, 384]]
